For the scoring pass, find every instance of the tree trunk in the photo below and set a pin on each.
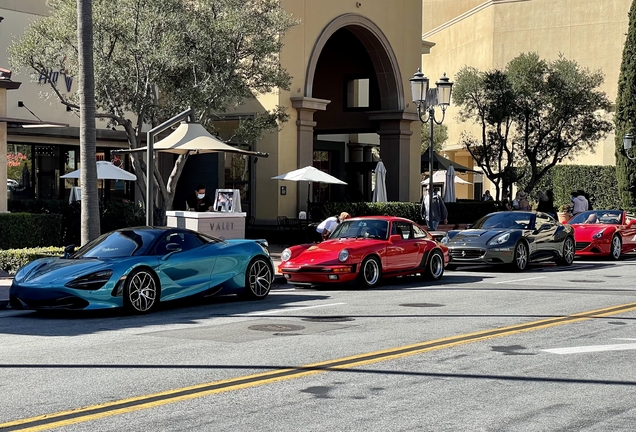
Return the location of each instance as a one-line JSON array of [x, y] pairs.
[[88, 172]]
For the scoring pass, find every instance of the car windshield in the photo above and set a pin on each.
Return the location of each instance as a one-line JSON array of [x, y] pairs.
[[612, 217], [117, 244], [505, 220], [362, 228]]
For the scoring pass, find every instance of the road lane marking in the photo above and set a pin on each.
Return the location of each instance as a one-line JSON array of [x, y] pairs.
[[516, 280], [94, 412], [593, 348], [277, 311]]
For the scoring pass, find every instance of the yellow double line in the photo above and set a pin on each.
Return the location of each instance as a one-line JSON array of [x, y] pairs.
[[64, 418]]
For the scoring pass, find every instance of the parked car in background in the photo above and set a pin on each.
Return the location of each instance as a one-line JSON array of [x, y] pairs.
[[12, 183], [609, 233], [138, 267], [366, 249], [515, 238]]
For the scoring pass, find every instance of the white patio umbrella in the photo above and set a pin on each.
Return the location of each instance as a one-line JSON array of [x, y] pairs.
[[440, 177], [105, 171], [379, 193], [449, 190], [309, 174]]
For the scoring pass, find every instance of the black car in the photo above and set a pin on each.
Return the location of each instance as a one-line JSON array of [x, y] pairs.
[[515, 238]]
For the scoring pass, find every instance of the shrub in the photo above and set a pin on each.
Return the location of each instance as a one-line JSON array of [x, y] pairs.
[[19, 230], [12, 259], [460, 212]]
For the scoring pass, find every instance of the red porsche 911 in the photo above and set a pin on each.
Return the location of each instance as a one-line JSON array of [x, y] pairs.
[[366, 249], [604, 233]]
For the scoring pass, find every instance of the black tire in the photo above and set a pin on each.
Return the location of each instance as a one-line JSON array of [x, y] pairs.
[[520, 257], [616, 248], [370, 272], [142, 291], [258, 279], [568, 252], [435, 266]]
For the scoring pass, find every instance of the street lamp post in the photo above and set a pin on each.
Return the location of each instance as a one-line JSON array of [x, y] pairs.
[[628, 140], [427, 99]]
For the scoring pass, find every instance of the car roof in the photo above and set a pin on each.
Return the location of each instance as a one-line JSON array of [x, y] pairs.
[[386, 218]]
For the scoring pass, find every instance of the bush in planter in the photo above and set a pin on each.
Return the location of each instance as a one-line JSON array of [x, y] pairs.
[[12, 259]]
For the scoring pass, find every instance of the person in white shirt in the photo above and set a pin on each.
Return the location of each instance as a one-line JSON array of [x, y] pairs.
[[326, 227]]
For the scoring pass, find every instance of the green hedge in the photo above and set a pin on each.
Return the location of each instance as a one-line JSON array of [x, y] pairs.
[[461, 212], [19, 230], [12, 259], [113, 215], [599, 181]]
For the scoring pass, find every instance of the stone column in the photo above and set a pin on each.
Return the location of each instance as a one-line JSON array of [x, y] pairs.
[[396, 153], [306, 108], [4, 86]]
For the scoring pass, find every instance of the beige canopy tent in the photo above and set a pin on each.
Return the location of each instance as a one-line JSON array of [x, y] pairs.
[[194, 138]]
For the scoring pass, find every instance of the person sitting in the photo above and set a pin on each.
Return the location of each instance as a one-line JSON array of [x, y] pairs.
[[591, 219]]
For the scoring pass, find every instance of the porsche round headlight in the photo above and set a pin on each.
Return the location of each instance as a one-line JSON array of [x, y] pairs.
[[500, 239], [343, 255], [286, 255]]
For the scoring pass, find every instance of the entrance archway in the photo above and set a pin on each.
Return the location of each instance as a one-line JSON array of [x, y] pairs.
[[354, 102]]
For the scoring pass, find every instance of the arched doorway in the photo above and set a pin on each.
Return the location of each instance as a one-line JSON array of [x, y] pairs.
[[353, 108]]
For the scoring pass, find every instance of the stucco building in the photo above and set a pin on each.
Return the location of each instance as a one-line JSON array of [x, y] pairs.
[[350, 62], [488, 34]]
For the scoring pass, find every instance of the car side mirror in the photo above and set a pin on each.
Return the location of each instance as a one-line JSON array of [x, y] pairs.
[[68, 250], [173, 247], [395, 238]]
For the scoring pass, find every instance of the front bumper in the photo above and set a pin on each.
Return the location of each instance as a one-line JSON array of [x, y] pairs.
[[60, 298], [475, 255], [594, 248], [306, 274]]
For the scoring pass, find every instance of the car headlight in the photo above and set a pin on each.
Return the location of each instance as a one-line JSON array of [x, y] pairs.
[[599, 234], [445, 240], [500, 239], [91, 282], [286, 255], [343, 255]]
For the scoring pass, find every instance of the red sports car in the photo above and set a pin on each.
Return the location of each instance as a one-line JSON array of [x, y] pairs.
[[366, 249], [604, 232]]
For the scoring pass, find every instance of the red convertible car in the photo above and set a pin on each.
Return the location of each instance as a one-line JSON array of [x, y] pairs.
[[366, 249], [604, 232]]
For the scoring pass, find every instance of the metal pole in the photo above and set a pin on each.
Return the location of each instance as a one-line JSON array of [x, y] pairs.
[[431, 115], [150, 163]]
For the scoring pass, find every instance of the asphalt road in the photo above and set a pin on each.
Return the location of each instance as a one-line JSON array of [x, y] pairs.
[[467, 353]]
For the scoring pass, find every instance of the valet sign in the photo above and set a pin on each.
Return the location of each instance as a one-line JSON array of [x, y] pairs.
[[53, 76]]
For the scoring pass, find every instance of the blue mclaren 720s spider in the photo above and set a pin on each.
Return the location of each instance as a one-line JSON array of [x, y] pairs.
[[136, 268]]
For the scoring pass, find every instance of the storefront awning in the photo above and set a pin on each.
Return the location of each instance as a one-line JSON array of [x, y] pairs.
[[28, 123]]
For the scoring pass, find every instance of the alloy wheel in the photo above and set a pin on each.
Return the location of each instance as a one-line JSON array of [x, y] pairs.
[[616, 247], [521, 256], [142, 291], [259, 279], [568, 251], [371, 272]]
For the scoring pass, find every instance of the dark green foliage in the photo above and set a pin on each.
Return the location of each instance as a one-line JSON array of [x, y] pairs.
[[19, 230], [461, 212], [113, 215], [12, 259], [625, 115], [598, 181]]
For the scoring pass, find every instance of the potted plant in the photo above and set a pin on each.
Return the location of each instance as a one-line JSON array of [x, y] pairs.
[[564, 213]]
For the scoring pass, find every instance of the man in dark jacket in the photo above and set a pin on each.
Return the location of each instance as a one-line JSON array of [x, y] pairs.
[[198, 200], [436, 213]]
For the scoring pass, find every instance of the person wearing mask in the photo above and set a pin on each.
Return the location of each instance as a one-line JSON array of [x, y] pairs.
[[198, 201], [434, 213], [329, 225]]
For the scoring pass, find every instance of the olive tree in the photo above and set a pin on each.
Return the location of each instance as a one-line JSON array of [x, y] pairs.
[[156, 58]]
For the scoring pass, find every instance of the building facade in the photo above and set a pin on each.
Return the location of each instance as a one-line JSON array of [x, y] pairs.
[[488, 34], [349, 105]]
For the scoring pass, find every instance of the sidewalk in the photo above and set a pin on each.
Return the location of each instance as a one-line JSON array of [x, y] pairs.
[[5, 280]]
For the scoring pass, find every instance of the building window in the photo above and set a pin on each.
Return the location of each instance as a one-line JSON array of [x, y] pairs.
[[358, 93], [321, 192]]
